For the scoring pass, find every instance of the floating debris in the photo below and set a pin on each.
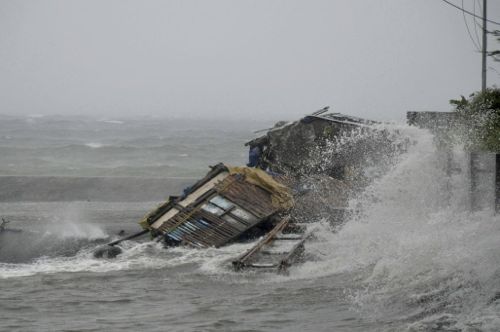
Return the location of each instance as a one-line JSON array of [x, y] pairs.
[[281, 247], [4, 229]]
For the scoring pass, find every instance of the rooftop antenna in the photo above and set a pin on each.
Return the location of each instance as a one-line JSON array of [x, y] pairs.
[[321, 111]]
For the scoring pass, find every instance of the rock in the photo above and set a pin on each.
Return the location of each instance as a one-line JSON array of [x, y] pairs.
[[107, 252]]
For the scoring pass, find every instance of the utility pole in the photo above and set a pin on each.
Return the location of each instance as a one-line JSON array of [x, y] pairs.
[[483, 85]]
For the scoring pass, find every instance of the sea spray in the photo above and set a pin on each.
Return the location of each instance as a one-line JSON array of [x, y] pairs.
[[336, 169], [419, 255], [71, 223], [62, 231]]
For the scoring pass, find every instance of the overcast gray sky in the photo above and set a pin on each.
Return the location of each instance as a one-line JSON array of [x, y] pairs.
[[237, 58]]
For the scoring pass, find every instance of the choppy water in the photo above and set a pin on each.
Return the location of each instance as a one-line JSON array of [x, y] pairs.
[[56, 145], [415, 259]]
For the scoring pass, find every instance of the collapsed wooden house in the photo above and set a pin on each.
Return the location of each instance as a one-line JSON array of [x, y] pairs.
[[228, 204], [221, 207]]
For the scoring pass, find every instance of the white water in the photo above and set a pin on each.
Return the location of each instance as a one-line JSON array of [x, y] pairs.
[[415, 251], [94, 145], [135, 256]]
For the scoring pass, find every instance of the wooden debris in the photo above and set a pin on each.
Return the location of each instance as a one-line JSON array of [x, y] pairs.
[[271, 253]]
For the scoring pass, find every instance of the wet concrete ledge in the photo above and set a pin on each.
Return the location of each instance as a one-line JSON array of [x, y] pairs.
[[105, 189]]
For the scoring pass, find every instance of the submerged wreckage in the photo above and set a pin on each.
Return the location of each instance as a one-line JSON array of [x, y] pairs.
[[240, 203]]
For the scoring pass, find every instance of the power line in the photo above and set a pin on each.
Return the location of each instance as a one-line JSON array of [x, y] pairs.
[[478, 48], [468, 12], [476, 24]]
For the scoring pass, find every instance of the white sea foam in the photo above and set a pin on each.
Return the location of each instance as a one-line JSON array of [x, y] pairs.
[[94, 145], [111, 121], [135, 256]]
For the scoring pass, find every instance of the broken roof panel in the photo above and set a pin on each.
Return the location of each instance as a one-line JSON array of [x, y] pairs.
[[321, 115]]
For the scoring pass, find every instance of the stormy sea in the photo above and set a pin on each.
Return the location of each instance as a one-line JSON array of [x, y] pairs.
[[414, 259]]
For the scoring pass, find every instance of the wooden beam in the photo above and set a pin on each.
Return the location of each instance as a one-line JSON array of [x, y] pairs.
[[240, 262]]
